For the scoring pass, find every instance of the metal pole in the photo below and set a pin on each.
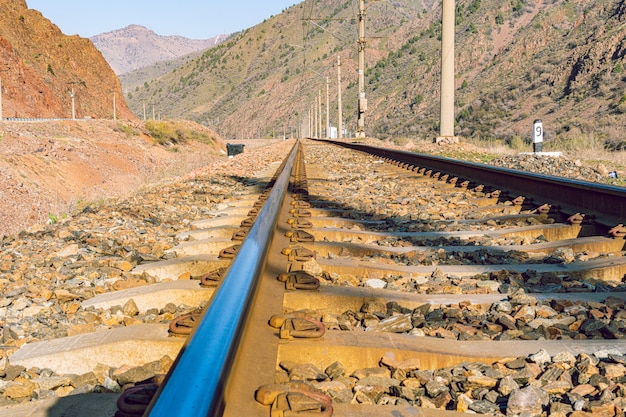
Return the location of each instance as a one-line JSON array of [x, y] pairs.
[[327, 109], [362, 103], [313, 122], [73, 108], [447, 70], [314, 119], [144, 110], [319, 109], [339, 110], [317, 116]]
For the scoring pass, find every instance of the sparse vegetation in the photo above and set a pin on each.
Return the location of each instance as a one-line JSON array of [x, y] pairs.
[[621, 107], [127, 130], [520, 68], [401, 141], [171, 133]]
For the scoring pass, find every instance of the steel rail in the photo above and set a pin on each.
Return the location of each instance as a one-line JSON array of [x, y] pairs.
[[195, 384], [606, 203]]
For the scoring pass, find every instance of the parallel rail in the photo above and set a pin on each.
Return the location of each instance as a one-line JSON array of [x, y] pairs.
[[198, 380], [607, 203]]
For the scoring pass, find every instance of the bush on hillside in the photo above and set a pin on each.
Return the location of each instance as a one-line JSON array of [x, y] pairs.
[[165, 132]]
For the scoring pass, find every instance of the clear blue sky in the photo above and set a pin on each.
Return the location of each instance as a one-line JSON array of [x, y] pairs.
[[195, 19]]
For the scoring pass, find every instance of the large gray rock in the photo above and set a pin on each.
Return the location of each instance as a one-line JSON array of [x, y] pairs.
[[529, 400]]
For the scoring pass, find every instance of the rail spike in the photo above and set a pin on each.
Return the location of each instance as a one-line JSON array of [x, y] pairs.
[[298, 254], [134, 401], [618, 232], [184, 325], [543, 209], [299, 236], [576, 219], [299, 280], [213, 278], [283, 398]]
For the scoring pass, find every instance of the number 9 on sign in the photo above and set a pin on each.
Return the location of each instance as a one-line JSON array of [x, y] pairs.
[[537, 131]]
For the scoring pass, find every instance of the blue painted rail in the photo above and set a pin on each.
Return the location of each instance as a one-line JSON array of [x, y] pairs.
[[194, 385]]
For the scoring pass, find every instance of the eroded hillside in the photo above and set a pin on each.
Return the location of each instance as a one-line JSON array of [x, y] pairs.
[[40, 66], [561, 61]]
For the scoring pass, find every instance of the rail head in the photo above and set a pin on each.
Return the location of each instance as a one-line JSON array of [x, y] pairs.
[[194, 386]]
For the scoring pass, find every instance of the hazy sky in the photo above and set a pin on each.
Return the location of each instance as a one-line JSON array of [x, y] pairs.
[[195, 19]]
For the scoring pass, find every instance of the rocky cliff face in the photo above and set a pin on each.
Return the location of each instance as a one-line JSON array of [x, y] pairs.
[[135, 47], [40, 66]]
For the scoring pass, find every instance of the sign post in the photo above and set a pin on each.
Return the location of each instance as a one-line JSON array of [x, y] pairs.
[[537, 136]]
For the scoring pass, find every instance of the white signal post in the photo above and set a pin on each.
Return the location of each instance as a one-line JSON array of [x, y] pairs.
[[537, 136]]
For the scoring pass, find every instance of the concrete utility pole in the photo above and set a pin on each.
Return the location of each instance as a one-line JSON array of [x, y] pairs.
[[6, 69], [327, 109], [315, 108], [446, 124], [72, 95], [362, 103], [0, 99], [339, 111], [319, 109], [114, 106]]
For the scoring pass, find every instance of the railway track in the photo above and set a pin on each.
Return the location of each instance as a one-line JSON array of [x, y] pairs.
[[364, 287]]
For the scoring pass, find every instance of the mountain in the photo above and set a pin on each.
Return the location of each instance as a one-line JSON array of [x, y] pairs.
[[135, 47], [562, 61], [40, 67], [132, 80]]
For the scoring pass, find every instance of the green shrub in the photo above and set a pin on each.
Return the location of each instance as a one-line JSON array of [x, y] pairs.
[[162, 132], [165, 132], [127, 130], [518, 143]]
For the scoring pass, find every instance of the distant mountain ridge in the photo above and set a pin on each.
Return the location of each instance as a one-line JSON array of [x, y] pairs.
[[135, 47]]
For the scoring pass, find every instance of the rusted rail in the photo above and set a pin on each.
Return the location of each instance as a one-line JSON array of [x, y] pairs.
[[606, 202]]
